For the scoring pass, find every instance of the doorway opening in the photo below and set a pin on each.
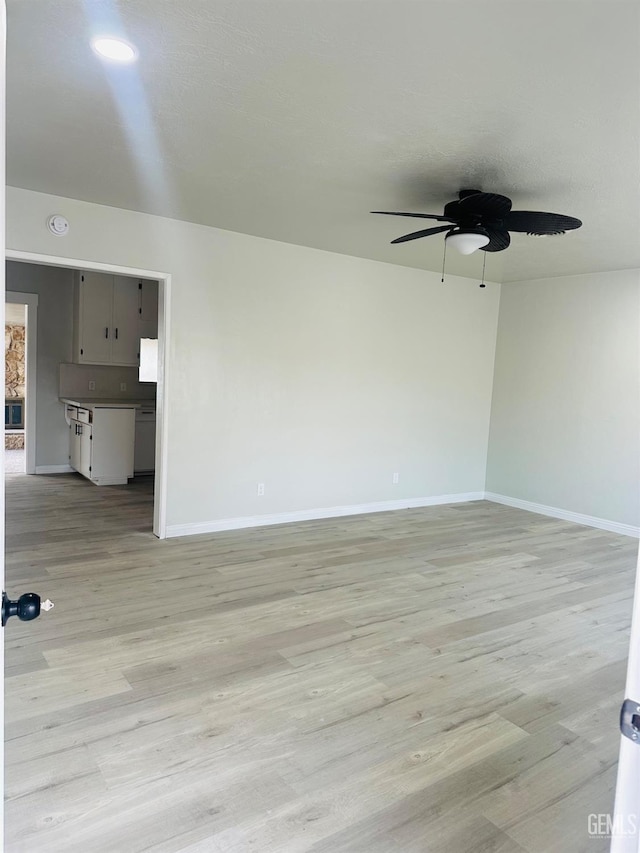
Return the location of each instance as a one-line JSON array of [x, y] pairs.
[[93, 382], [15, 388], [21, 333]]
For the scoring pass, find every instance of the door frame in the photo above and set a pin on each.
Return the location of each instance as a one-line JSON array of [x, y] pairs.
[[164, 329], [30, 301]]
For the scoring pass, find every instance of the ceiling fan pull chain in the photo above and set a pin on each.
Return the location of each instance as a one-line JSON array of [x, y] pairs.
[[484, 263], [444, 258]]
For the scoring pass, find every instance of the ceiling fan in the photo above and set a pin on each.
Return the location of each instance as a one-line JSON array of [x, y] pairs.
[[480, 220]]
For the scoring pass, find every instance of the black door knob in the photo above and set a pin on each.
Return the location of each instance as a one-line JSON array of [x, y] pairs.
[[26, 608]]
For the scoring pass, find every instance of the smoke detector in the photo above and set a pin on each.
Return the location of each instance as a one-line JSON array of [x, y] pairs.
[[58, 225]]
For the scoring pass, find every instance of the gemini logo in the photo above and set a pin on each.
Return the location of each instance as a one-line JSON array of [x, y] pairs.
[[605, 826]]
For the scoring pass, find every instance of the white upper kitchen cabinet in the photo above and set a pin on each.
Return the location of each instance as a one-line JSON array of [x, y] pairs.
[[125, 342], [106, 328], [93, 314]]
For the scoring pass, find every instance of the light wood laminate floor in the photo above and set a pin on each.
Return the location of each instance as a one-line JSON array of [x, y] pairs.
[[444, 679]]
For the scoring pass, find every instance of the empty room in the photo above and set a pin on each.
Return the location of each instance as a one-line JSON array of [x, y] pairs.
[[323, 382]]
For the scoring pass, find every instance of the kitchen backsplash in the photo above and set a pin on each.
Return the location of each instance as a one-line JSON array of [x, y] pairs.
[[75, 378]]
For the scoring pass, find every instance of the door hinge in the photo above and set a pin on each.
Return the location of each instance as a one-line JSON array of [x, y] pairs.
[[89, 467], [630, 719], [139, 285], [81, 352], [90, 438]]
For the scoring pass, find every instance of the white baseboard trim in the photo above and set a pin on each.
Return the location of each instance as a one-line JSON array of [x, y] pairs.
[[219, 525], [565, 515], [54, 469]]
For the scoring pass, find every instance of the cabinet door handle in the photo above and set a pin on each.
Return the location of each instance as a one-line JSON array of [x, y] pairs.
[[116, 333], [106, 331]]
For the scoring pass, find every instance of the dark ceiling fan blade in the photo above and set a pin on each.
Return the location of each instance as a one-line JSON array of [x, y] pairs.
[[498, 240], [484, 204], [415, 235], [536, 222], [417, 215]]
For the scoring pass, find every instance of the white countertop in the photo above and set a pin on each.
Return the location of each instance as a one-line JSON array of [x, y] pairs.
[[85, 403]]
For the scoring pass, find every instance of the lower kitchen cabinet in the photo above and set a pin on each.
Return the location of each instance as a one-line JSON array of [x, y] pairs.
[[101, 443], [80, 448]]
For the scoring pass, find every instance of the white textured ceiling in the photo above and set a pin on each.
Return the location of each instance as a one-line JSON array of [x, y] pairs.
[[291, 119]]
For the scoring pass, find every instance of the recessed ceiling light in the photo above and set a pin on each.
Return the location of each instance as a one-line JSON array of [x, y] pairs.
[[115, 49]]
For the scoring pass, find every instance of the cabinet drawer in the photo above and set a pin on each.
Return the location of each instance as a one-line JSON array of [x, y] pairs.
[[84, 416]]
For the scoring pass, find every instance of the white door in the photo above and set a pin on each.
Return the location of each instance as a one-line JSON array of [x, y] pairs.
[[625, 828], [125, 343], [74, 446], [85, 449], [96, 298], [3, 79], [29, 605]]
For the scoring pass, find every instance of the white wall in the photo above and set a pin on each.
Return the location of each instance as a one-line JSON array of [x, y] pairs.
[[566, 400], [315, 373], [54, 287]]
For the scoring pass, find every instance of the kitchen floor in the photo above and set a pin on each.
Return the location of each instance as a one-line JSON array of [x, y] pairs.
[[438, 679]]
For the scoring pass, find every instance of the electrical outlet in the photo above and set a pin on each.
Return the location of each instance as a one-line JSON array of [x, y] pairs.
[[92, 385], [123, 386], [395, 478], [260, 489]]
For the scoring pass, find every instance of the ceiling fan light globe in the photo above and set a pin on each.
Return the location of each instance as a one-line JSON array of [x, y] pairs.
[[467, 242]]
